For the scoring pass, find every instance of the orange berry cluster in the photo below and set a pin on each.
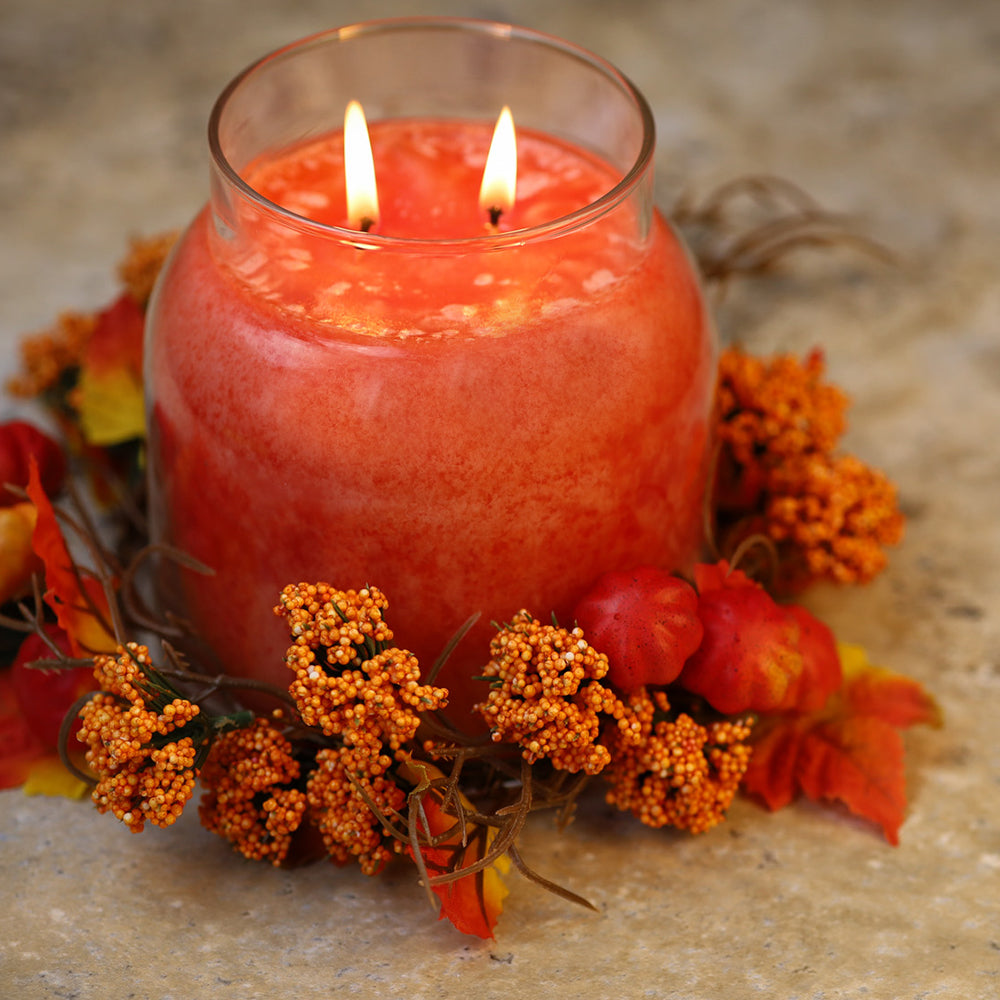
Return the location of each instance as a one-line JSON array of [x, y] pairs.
[[351, 684], [547, 696], [378, 703], [342, 791], [345, 683], [141, 775], [778, 475], [681, 774], [247, 798], [776, 409], [838, 514], [47, 355], [142, 264], [330, 626]]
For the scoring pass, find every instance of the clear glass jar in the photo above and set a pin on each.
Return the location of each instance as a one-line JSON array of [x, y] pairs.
[[477, 422]]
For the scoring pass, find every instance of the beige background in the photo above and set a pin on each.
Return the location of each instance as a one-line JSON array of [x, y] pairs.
[[888, 111]]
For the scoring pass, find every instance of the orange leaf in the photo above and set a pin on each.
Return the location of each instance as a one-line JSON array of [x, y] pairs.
[[858, 760], [894, 698], [473, 903], [771, 775], [67, 595], [849, 750]]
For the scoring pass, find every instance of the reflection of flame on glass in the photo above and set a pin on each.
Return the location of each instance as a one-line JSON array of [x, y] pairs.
[[497, 193], [359, 170]]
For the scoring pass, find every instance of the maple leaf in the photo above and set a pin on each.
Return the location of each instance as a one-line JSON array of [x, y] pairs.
[[17, 557], [73, 598], [849, 750], [24, 758], [46, 694], [873, 690], [474, 902], [109, 391], [48, 776], [19, 747], [19, 442]]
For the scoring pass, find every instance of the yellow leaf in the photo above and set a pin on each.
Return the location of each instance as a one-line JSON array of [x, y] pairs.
[[111, 406], [17, 560], [48, 776]]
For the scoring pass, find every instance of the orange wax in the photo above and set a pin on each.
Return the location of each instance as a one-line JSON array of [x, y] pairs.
[[470, 426]]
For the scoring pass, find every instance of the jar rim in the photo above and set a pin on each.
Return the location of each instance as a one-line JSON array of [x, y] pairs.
[[577, 219]]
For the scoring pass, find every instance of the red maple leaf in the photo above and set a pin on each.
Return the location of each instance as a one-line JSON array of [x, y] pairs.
[[74, 598], [33, 704], [117, 338], [19, 443], [849, 750], [109, 395], [46, 695], [474, 902], [19, 747]]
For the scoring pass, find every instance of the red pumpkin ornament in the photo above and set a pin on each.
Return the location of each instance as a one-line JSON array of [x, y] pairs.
[[645, 621], [756, 655]]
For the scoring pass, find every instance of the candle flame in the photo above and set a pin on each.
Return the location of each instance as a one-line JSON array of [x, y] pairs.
[[497, 193], [359, 170]]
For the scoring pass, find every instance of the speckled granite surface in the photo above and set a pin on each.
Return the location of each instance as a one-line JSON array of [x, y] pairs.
[[887, 111]]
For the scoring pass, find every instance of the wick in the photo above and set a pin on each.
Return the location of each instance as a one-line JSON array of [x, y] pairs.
[[495, 212], [366, 223]]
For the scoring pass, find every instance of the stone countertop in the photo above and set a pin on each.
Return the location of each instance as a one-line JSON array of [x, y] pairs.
[[885, 111]]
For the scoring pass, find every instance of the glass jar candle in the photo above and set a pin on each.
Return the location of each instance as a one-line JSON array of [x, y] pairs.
[[472, 413]]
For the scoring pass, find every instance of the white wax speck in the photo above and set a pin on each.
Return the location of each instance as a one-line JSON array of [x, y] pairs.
[[598, 280], [253, 262], [457, 311], [557, 306], [528, 187], [311, 199]]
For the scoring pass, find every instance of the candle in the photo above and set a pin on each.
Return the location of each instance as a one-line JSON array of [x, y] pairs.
[[475, 411]]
